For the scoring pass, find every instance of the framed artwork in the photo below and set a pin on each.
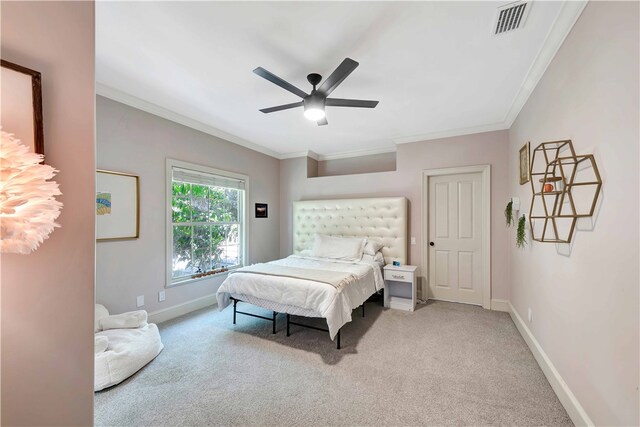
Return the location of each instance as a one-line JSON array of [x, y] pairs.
[[21, 101], [524, 164], [262, 210], [117, 206]]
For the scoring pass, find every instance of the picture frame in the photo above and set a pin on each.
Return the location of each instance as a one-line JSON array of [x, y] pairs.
[[262, 210], [22, 91], [524, 165], [117, 206]]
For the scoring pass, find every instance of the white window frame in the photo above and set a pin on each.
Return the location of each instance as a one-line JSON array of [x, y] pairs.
[[244, 232]]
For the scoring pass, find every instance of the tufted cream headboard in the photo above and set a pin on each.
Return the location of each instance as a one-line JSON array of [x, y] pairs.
[[383, 219]]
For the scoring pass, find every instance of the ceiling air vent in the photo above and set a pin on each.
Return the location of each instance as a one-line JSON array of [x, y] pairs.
[[510, 17]]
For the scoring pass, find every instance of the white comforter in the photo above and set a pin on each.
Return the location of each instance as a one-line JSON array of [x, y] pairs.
[[306, 297]]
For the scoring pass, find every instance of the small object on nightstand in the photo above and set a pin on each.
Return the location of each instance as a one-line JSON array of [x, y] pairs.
[[400, 287], [396, 263]]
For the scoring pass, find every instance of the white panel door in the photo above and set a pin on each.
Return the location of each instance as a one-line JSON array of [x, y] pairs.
[[455, 237]]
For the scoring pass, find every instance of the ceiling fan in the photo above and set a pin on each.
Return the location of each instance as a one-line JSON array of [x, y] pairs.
[[315, 102]]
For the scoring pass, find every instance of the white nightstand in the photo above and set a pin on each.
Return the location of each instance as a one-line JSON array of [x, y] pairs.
[[400, 287]]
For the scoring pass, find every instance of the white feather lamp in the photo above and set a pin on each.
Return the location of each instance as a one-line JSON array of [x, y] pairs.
[[28, 208]]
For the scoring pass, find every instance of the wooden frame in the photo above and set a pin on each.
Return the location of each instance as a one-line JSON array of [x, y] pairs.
[[262, 210], [110, 229], [486, 225], [16, 119], [523, 162]]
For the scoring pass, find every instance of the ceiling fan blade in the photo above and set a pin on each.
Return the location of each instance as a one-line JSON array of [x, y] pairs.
[[359, 103], [323, 121], [278, 81], [282, 107], [340, 73]]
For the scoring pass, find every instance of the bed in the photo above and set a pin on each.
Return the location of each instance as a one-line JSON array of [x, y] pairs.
[[311, 286]]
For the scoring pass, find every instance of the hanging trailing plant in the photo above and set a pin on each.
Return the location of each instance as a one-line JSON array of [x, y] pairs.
[[521, 236], [508, 214]]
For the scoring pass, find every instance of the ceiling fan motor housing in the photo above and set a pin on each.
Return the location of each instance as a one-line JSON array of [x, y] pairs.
[[314, 79], [314, 101]]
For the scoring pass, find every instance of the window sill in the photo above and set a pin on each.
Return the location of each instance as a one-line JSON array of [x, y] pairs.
[[199, 279]]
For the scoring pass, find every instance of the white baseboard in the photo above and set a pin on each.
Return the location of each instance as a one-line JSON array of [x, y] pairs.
[[181, 309], [500, 305], [571, 404]]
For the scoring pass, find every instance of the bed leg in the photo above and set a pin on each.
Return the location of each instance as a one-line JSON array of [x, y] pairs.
[[362, 309], [338, 345], [288, 317], [274, 323], [235, 303]]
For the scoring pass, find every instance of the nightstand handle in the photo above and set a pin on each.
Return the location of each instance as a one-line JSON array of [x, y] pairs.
[[397, 277]]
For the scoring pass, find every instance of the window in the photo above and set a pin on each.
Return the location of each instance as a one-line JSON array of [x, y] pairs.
[[206, 221]]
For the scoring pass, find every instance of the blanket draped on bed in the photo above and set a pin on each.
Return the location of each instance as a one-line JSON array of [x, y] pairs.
[[279, 289], [337, 279]]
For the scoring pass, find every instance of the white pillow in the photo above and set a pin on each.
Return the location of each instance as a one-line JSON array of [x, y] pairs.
[[377, 258], [100, 312], [372, 247], [128, 320], [342, 248]]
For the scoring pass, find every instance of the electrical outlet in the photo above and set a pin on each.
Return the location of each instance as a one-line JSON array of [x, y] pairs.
[[529, 314], [140, 301], [161, 296], [413, 240]]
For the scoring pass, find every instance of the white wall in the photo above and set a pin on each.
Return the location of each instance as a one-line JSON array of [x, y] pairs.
[[585, 306], [130, 140], [47, 296], [412, 159]]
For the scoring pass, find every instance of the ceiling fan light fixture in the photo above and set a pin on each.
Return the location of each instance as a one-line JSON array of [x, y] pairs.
[[314, 113], [314, 108]]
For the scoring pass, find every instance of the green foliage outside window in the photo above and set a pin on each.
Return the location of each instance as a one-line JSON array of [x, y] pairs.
[[206, 228]]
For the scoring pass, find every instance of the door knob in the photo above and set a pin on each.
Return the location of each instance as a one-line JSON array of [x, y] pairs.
[[431, 244]]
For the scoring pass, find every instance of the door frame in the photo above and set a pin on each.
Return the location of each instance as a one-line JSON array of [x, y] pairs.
[[485, 170]]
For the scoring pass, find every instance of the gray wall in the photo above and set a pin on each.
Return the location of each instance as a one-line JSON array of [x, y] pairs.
[[412, 159], [383, 162], [47, 296], [130, 140], [585, 306]]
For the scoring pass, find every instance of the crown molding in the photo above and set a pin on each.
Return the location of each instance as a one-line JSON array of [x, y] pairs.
[[357, 153], [450, 133], [340, 155], [141, 104], [296, 154], [560, 29]]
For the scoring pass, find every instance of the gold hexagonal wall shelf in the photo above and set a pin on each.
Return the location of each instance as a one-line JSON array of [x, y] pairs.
[[565, 187]]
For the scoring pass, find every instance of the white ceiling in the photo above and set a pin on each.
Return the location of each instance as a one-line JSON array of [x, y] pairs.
[[434, 66]]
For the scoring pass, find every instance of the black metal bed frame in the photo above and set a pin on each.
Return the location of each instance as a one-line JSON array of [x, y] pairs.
[[289, 322]]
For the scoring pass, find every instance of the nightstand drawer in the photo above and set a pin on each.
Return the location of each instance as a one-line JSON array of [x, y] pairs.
[[398, 276]]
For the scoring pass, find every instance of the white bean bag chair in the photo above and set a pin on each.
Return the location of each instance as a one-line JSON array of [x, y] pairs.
[[124, 343]]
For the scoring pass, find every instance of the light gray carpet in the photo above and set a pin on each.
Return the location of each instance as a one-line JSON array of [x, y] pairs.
[[443, 364]]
